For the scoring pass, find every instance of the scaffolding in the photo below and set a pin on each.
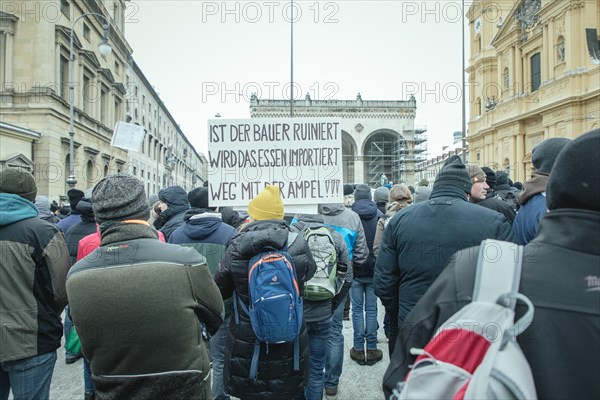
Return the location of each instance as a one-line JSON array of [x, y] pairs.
[[396, 157]]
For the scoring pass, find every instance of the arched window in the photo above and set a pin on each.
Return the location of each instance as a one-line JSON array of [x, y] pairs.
[[478, 105], [478, 43], [90, 173]]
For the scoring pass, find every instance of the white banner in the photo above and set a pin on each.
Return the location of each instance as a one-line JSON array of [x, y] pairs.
[[128, 136], [302, 156]]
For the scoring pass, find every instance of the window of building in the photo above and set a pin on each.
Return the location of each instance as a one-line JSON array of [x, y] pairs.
[[478, 105], [64, 77], [103, 104], [142, 175], [86, 32], [118, 103], [506, 78], [87, 93], [560, 49], [478, 156], [536, 72], [134, 171], [117, 68], [65, 8], [478, 43]]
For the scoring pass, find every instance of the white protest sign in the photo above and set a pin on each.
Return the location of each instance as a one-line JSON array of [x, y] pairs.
[[302, 156], [128, 136]]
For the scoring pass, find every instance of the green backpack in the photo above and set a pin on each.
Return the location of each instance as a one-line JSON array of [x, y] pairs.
[[323, 285]]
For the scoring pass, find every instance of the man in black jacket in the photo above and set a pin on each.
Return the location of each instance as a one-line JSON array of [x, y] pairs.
[[560, 275], [485, 177], [419, 239]]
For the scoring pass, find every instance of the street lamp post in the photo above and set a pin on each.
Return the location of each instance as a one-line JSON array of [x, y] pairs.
[[105, 50]]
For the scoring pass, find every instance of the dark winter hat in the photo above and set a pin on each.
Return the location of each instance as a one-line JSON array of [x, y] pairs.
[[519, 185], [381, 194], [75, 196], [412, 189], [54, 206], [19, 182], [574, 182], [198, 197], [348, 189], [120, 197], [490, 177], [544, 154], [362, 192], [501, 178], [454, 173]]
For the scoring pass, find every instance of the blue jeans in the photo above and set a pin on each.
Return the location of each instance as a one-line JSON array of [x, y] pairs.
[[88, 383], [217, 354], [334, 359], [28, 378], [364, 315], [318, 336]]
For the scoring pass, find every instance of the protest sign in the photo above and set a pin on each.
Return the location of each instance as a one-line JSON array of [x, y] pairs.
[[128, 136], [302, 156]]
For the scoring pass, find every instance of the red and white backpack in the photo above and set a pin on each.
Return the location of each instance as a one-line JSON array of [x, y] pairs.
[[474, 354]]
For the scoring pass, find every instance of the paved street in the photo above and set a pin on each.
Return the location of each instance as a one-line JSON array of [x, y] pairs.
[[357, 382]]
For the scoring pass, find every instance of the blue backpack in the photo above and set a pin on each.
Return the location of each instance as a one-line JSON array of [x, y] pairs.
[[275, 308]]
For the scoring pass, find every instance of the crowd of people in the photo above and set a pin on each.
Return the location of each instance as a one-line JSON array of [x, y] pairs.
[[162, 291]]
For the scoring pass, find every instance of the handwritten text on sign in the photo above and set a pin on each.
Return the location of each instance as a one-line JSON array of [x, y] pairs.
[[303, 157]]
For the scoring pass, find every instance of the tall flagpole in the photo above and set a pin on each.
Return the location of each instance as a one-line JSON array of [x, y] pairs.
[[464, 104], [292, 61]]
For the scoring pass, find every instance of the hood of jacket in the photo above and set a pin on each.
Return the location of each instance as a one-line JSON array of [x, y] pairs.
[[263, 235], [536, 184], [14, 208], [366, 209], [201, 225], [331, 208], [84, 207], [43, 205], [174, 196]]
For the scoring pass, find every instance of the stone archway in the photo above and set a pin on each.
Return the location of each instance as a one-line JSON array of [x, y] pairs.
[[348, 157], [384, 152]]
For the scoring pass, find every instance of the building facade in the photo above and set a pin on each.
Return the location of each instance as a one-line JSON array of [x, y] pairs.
[[378, 137], [167, 157], [35, 78], [532, 76]]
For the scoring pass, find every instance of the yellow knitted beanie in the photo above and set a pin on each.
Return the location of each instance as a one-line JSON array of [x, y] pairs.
[[267, 205]]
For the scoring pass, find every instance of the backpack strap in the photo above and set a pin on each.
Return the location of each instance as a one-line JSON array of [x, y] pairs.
[[291, 237], [254, 362], [498, 271]]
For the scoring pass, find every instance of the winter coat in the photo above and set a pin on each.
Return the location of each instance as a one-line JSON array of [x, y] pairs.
[[276, 378], [528, 218], [560, 276], [315, 311], [348, 224], [391, 210], [369, 216], [170, 219], [78, 231], [33, 270], [160, 297], [68, 221], [230, 217], [418, 241], [497, 204], [205, 232]]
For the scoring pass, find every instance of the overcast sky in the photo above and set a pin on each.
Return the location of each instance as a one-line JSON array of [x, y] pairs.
[[208, 57]]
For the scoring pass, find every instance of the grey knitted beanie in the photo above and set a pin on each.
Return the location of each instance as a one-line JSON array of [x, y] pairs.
[[381, 194], [120, 197], [362, 192]]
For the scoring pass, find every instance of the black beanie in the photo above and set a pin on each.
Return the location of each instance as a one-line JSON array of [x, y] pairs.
[[544, 154], [120, 197], [490, 177], [19, 182], [501, 178], [454, 173], [574, 181], [198, 197], [348, 189], [75, 196]]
